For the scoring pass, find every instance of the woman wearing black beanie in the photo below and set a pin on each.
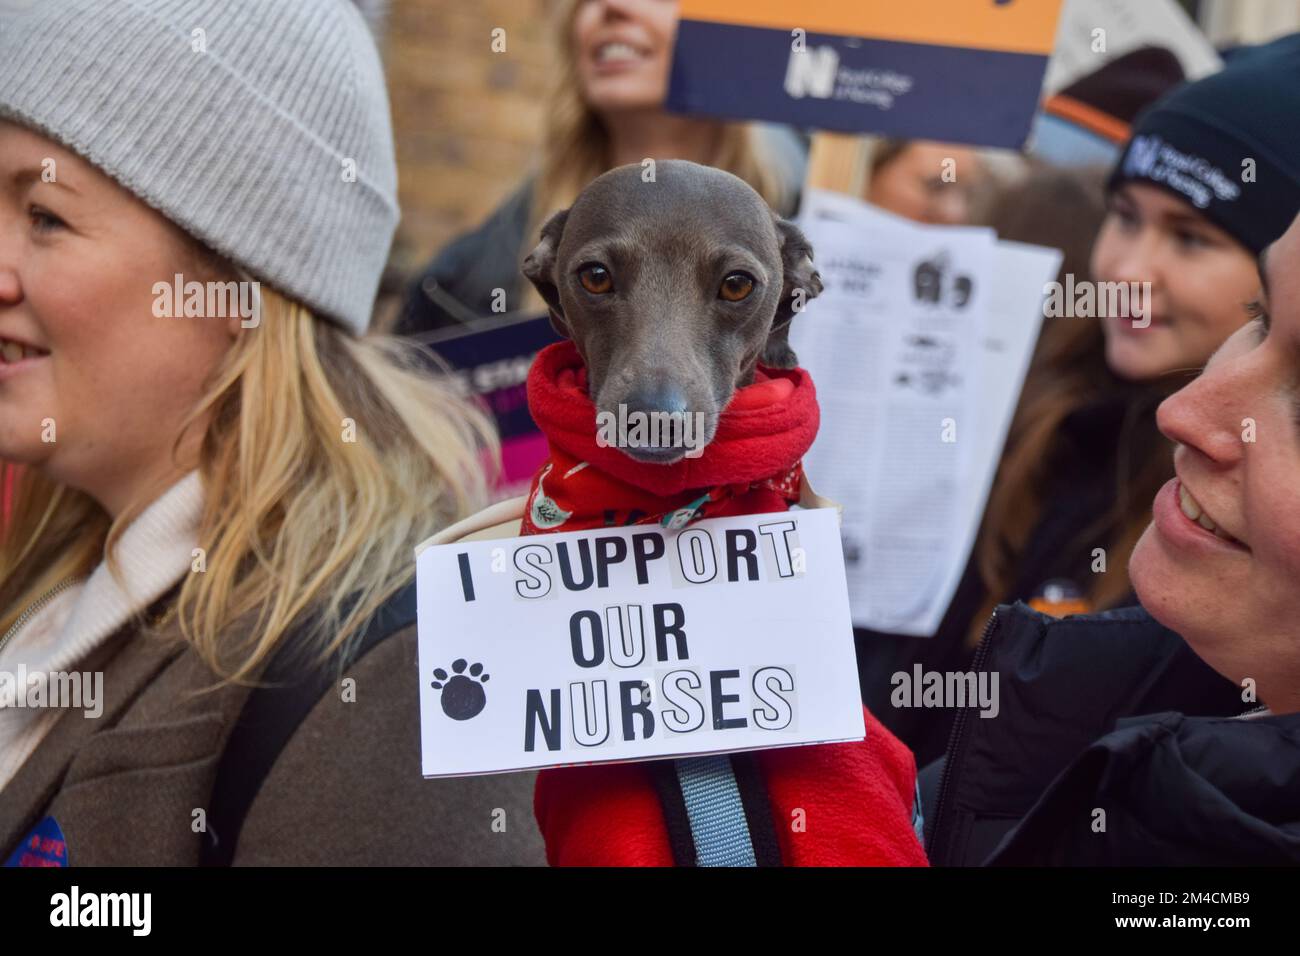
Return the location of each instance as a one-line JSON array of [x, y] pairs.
[[1223, 156], [1209, 176]]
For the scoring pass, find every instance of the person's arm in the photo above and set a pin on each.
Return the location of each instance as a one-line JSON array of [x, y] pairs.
[[458, 285], [346, 790]]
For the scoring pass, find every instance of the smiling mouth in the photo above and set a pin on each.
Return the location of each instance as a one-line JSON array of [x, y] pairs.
[[11, 352], [617, 52], [1194, 512]]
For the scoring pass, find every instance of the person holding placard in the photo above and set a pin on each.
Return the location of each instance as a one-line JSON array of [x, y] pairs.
[[605, 109]]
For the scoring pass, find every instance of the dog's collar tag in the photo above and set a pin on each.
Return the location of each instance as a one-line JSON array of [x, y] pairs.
[[676, 520]]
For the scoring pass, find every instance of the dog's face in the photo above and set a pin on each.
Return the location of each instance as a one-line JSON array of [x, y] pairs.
[[672, 291]]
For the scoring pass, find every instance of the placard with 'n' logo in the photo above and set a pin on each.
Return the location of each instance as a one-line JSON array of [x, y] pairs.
[[962, 71]]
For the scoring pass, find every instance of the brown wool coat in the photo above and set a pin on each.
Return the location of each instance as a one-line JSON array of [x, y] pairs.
[[345, 790]]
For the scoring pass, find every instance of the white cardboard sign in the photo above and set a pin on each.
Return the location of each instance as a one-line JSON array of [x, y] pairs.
[[635, 643]]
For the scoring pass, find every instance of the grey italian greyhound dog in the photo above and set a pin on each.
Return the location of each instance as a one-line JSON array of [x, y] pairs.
[[673, 288]]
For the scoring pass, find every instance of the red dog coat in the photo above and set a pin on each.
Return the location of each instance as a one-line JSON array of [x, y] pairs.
[[832, 804]]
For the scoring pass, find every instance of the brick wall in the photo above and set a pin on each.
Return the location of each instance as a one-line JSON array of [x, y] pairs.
[[467, 120]]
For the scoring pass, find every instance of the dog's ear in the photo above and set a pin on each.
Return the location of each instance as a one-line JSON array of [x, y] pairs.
[[539, 268], [800, 283]]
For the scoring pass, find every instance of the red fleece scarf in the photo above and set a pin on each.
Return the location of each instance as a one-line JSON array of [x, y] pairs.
[[752, 465], [833, 804]]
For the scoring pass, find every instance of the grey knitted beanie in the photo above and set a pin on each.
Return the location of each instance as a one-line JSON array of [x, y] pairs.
[[260, 127]]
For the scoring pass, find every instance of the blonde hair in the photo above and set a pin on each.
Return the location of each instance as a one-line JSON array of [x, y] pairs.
[[298, 524], [576, 148]]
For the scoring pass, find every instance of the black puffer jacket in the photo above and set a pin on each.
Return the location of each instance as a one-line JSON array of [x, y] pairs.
[[1111, 712]]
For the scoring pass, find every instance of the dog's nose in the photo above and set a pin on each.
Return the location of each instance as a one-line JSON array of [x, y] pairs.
[[657, 424], [664, 399]]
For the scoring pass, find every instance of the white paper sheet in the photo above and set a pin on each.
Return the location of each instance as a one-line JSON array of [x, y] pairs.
[[918, 347]]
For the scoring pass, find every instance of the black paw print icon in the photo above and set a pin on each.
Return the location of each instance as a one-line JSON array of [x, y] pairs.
[[463, 696]]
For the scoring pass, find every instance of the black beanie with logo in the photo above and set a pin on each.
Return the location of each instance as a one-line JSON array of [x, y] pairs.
[[1228, 144]]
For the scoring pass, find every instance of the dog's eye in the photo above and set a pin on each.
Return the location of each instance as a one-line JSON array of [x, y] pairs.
[[736, 287], [596, 279]]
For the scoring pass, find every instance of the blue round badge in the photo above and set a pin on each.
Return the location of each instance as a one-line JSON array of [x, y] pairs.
[[44, 846]]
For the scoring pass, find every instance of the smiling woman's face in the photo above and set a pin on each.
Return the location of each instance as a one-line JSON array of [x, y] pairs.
[[1220, 562], [83, 359], [624, 49], [1200, 277]]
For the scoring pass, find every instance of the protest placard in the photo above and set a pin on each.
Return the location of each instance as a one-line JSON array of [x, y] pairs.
[[489, 360], [635, 643], [962, 71]]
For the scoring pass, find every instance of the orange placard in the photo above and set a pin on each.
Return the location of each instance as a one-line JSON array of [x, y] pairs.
[[1016, 26]]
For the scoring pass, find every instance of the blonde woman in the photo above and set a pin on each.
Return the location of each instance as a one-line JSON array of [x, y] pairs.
[[605, 109], [220, 479]]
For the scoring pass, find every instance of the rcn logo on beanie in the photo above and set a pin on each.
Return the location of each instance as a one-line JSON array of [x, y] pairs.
[[1195, 177], [1228, 144]]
